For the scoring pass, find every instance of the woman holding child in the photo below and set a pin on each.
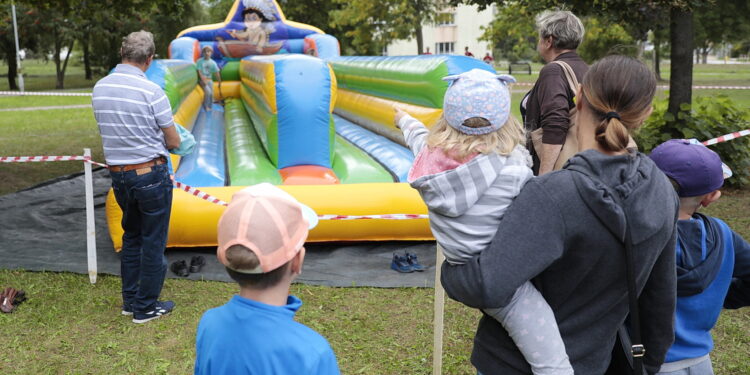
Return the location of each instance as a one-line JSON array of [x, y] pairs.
[[565, 231]]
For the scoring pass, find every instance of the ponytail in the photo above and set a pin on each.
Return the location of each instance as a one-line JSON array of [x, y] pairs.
[[619, 90]]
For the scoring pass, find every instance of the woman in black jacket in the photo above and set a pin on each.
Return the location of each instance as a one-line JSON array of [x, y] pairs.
[[565, 232]]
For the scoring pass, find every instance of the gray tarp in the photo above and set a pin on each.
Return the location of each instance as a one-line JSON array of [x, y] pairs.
[[43, 228]]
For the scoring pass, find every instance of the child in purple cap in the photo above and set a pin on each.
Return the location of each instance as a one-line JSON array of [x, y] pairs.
[[468, 169], [713, 262]]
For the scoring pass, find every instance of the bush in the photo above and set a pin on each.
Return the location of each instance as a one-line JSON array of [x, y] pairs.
[[710, 117], [604, 38]]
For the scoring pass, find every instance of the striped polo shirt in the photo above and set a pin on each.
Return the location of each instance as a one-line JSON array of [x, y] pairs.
[[131, 111]]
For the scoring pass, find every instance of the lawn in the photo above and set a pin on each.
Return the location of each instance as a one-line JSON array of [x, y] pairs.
[[70, 326]]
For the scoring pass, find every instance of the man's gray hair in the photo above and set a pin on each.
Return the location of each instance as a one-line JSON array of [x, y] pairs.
[[563, 26], [137, 47]]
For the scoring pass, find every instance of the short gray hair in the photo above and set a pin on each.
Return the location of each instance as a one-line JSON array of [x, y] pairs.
[[137, 47], [563, 26]]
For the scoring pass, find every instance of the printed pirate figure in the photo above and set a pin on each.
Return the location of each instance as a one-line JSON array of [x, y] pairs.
[[258, 17]]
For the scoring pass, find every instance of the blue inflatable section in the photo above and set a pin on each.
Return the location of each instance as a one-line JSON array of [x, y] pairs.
[[461, 64], [182, 48], [328, 46], [394, 157], [205, 165], [303, 99]]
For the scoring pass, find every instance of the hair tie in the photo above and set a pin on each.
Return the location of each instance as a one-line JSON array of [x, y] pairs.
[[611, 115]]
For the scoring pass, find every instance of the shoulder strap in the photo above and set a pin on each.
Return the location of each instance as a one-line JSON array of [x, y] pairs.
[[636, 347], [570, 75]]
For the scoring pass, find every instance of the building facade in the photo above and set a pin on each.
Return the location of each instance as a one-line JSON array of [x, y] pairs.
[[455, 29]]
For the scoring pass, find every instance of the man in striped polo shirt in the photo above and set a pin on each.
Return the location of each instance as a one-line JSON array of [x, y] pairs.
[[135, 123]]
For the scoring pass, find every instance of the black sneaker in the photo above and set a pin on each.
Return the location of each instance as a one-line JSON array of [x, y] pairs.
[[161, 308], [127, 309], [414, 263], [180, 268], [196, 263]]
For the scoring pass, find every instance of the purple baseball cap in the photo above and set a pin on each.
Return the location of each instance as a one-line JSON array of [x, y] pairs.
[[697, 169], [477, 93]]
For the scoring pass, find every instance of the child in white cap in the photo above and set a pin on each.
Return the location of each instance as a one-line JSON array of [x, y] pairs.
[[261, 238], [468, 168]]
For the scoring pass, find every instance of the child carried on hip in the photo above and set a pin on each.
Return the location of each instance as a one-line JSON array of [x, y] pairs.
[[468, 169]]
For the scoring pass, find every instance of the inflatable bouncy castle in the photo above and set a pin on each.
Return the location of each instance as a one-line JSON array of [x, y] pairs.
[[292, 112]]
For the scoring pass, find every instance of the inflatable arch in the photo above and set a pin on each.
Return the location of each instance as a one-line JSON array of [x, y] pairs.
[[296, 114]]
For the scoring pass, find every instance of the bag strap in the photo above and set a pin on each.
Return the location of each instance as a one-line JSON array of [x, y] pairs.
[[636, 346], [570, 76]]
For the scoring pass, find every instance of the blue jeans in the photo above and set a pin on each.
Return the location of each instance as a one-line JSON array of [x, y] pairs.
[[146, 203]]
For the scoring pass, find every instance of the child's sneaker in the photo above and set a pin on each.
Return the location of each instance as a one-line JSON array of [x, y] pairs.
[[414, 263], [400, 264], [161, 308]]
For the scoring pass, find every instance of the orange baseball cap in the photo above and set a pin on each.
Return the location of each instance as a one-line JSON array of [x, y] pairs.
[[269, 222]]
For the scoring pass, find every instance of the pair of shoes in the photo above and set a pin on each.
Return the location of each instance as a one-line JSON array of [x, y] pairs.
[[10, 298], [180, 267], [406, 263], [160, 309]]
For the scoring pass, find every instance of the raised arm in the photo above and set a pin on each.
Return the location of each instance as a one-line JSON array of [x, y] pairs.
[[522, 249], [415, 133]]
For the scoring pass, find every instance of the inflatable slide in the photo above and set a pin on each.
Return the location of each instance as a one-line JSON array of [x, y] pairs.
[[292, 112]]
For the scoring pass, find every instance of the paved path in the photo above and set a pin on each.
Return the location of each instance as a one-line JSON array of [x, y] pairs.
[[46, 108]]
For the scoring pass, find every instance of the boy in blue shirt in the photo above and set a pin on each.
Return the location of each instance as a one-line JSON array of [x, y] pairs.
[[207, 69], [261, 238], [713, 262]]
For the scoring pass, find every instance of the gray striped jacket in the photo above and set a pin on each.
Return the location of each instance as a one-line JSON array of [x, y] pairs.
[[465, 204]]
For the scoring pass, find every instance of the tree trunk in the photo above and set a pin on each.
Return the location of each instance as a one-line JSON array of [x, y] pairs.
[[681, 76], [657, 57], [420, 41], [61, 72], [56, 57], [12, 72], [86, 58], [704, 56]]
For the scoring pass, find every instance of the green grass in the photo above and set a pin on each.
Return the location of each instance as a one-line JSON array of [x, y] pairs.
[[39, 75], [71, 326]]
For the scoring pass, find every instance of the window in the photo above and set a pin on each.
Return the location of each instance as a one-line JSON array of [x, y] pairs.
[[444, 48], [446, 19]]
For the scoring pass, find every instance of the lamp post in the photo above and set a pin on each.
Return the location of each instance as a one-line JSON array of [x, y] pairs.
[[18, 55]]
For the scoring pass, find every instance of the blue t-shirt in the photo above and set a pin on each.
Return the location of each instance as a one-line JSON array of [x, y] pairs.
[[207, 67], [250, 337]]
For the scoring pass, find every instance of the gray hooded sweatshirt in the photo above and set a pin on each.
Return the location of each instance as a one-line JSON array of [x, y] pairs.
[[466, 203], [560, 233]]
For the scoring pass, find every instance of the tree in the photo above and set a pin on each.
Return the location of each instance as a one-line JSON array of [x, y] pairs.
[[512, 32], [636, 14], [723, 21], [373, 24], [26, 35]]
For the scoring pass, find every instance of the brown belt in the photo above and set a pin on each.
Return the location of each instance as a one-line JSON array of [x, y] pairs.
[[124, 168]]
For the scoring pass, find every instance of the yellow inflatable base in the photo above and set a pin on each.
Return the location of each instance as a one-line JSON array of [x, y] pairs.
[[194, 220]]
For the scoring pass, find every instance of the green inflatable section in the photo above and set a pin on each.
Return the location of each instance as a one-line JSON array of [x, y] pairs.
[[231, 71], [247, 162], [179, 80], [416, 80], [354, 166]]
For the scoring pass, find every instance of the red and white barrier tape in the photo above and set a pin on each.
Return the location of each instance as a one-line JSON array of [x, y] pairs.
[[43, 93], [698, 87], [727, 137], [201, 194]]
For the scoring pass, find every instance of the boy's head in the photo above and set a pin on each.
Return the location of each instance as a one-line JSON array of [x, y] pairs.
[[476, 115], [695, 168], [260, 232], [207, 51]]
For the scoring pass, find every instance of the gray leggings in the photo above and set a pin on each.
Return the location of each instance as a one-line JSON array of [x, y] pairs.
[[531, 324], [208, 94]]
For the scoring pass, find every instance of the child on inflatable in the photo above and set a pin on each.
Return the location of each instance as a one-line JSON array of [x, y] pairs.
[[468, 169]]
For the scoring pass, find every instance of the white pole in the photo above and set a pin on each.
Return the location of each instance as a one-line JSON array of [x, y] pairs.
[[437, 325], [18, 55], [90, 227]]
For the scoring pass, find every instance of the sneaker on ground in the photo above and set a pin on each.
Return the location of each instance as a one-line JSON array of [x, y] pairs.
[[414, 263], [127, 310], [400, 264], [160, 309]]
